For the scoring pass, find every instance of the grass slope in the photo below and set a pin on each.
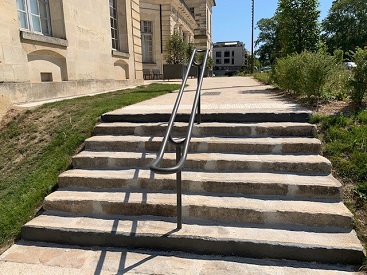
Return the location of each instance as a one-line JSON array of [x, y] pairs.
[[37, 145], [344, 137]]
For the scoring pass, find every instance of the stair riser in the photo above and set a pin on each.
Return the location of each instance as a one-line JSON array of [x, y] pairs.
[[244, 131], [212, 117], [200, 212], [211, 165], [204, 147], [194, 245], [258, 188]]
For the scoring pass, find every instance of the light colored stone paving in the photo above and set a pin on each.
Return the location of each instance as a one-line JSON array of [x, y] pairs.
[[29, 258], [219, 95]]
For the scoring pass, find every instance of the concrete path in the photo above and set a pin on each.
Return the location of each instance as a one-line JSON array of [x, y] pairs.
[[219, 95]]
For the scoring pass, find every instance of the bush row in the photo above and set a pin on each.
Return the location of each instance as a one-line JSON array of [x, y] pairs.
[[316, 75]]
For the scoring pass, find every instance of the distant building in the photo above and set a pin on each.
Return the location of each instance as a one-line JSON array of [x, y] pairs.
[[229, 57]]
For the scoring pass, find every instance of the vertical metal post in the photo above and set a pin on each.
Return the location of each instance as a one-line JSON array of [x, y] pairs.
[[198, 117], [252, 37], [179, 189]]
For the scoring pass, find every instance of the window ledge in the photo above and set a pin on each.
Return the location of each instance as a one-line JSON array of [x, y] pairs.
[[120, 54], [43, 38]]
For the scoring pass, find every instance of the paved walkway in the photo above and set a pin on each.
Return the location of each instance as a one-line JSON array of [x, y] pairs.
[[219, 95]]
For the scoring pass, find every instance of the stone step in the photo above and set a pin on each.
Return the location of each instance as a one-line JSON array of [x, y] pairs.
[[265, 129], [210, 162], [229, 117], [34, 258], [278, 184], [148, 232], [210, 144], [215, 207]]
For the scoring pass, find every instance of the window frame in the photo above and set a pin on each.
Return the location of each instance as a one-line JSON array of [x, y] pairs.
[[147, 41], [28, 14], [115, 39]]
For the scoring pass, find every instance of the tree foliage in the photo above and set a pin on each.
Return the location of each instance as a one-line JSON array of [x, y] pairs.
[[345, 27], [359, 80], [298, 25], [176, 49], [268, 40], [293, 29]]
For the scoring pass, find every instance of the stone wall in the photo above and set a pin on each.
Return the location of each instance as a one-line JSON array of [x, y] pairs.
[[77, 58]]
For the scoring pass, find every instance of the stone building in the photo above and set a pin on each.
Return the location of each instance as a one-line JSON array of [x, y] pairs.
[[229, 57], [159, 19], [58, 48]]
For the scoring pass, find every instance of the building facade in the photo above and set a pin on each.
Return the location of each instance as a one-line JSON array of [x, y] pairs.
[[229, 57], [192, 19], [58, 48]]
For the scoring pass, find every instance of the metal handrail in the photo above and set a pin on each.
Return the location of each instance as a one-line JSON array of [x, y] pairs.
[[181, 155]]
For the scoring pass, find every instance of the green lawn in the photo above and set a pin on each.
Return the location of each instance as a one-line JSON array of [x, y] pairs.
[[37, 145]]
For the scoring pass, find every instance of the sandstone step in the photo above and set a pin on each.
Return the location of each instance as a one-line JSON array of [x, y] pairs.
[[208, 238], [210, 144], [35, 258], [290, 185], [215, 207], [210, 129], [209, 162]]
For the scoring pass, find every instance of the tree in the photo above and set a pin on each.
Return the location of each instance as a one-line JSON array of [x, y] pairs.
[[176, 49], [345, 27], [268, 40], [298, 25]]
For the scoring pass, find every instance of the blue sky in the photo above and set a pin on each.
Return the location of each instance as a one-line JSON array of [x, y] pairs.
[[232, 18]]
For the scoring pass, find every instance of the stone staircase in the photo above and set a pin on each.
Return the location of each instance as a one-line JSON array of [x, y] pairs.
[[255, 190]]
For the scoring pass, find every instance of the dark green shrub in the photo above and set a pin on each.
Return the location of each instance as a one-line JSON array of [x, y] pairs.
[[358, 82], [305, 74], [287, 73]]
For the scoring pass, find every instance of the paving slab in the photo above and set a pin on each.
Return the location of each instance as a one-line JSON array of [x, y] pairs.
[[42, 258], [220, 94], [221, 98]]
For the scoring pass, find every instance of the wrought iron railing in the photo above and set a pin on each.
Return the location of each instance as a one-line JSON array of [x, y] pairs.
[[182, 145]]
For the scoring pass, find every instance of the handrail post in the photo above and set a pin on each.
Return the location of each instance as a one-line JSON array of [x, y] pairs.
[[179, 189], [198, 118], [182, 146]]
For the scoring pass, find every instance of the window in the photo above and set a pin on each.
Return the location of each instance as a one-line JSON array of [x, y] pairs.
[[232, 61], [114, 25], [147, 41], [226, 54], [218, 54], [218, 61], [34, 15], [226, 61], [232, 53]]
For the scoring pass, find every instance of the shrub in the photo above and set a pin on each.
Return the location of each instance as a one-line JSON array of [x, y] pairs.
[[304, 74], [358, 82], [287, 73], [336, 86], [263, 77]]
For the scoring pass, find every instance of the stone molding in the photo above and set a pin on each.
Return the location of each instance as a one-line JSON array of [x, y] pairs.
[[43, 38]]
